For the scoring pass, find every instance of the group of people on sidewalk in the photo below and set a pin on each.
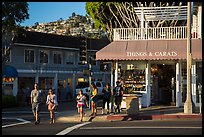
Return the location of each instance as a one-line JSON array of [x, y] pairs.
[[117, 96], [36, 98]]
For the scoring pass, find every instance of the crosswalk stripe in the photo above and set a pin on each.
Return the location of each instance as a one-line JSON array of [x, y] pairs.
[[23, 121], [69, 129]]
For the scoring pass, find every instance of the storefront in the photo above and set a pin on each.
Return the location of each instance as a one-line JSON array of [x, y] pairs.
[[9, 80], [154, 69]]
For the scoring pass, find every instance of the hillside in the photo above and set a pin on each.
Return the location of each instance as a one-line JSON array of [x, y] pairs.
[[76, 25]]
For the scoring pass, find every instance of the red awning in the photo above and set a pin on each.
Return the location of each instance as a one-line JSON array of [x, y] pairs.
[[150, 50]]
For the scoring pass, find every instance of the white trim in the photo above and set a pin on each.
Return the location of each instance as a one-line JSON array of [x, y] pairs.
[[52, 47], [43, 46], [54, 71], [178, 83], [26, 71]]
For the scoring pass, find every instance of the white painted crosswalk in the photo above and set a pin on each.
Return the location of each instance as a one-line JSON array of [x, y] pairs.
[[22, 121], [69, 129]]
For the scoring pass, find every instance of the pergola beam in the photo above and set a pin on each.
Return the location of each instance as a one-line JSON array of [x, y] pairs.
[[162, 13]]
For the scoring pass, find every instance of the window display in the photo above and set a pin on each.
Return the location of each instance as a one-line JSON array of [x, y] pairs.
[[134, 80], [133, 76]]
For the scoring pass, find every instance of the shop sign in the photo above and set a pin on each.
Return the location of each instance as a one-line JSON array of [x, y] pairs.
[[132, 54]]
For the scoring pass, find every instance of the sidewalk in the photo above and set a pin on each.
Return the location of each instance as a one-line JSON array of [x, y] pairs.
[[158, 113], [67, 112], [150, 113]]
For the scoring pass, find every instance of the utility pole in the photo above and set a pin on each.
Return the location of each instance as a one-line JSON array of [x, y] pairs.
[[188, 104], [90, 74]]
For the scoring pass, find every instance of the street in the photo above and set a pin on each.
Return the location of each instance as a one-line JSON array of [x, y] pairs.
[[20, 121], [140, 127]]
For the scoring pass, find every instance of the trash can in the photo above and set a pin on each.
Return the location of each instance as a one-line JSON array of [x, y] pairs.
[[132, 104]]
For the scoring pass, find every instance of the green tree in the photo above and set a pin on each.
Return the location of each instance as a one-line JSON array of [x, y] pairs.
[[13, 13], [100, 14]]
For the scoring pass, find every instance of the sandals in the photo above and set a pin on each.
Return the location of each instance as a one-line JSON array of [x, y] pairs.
[[52, 121]]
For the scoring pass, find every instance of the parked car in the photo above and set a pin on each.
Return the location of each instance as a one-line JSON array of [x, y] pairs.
[[86, 88]]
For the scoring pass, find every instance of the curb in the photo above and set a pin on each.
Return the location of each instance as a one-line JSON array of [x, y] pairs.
[[153, 117], [125, 117], [183, 116]]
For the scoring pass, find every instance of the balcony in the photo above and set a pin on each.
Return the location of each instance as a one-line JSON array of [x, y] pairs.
[[156, 33]]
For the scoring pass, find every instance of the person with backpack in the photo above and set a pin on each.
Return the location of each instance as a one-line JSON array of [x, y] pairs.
[[106, 97], [52, 104], [36, 100], [118, 96]]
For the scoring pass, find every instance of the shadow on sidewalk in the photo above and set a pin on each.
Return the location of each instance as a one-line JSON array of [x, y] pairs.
[[91, 119], [164, 110]]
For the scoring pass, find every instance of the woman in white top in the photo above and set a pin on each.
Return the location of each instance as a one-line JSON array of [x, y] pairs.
[[52, 104], [81, 102]]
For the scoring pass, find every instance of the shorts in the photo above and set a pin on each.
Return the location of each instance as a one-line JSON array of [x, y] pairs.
[[80, 105], [35, 107], [50, 105], [94, 99]]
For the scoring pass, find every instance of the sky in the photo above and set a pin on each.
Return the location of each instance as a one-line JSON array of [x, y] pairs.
[[44, 12]]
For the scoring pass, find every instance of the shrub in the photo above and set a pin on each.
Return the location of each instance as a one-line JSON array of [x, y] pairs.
[[8, 101]]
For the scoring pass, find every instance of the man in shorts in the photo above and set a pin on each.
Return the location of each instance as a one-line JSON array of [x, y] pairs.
[[36, 98]]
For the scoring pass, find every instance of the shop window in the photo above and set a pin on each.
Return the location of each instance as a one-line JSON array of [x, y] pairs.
[[130, 66], [184, 81], [48, 83], [133, 77], [81, 80], [7, 89], [45, 83], [11, 79], [198, 80], [134, 80]]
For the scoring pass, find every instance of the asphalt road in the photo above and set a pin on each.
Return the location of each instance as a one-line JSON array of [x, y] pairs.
[[21, 122], [147, 127]]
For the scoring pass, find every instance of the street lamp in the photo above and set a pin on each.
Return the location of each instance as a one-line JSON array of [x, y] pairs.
[[188, 104]]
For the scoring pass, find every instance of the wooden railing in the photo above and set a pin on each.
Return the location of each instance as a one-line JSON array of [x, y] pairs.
[[154, 33]]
